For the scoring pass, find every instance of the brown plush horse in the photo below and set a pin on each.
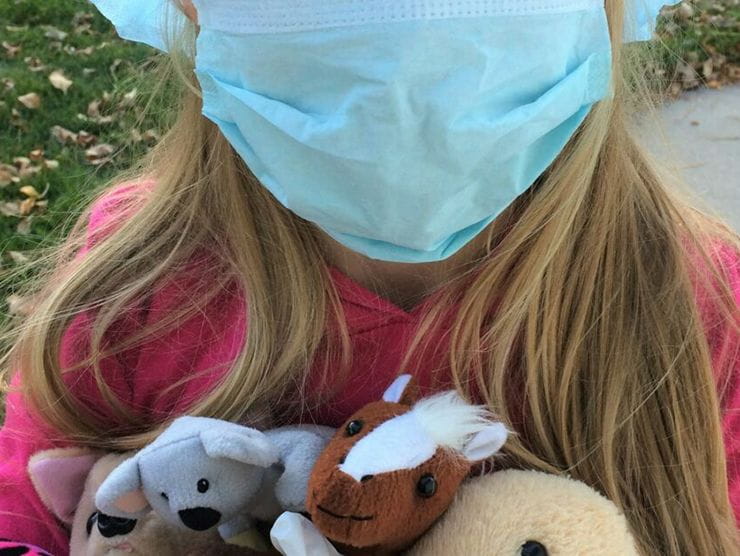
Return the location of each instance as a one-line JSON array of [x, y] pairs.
[[393, 469]]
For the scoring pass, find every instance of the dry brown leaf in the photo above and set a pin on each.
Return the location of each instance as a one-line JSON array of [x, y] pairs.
[[30, 100], [63, 135], [21, 162], [16, 120], [36, 154], [24, 226], [100, 154], [85, 139], [6, 178], [129, 99], [30, 191], [10, 208], [26, 206], [93, 109], [60, 81], [34, 64], [11, 50], [51, 164], [8, 83], [18, 257], [18, 305], [54, 34], [151, 136]]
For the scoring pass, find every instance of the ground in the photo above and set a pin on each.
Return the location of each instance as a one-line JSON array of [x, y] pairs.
[[697, 138]]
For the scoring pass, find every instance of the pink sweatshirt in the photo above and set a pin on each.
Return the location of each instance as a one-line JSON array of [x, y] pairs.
[[204, 346]]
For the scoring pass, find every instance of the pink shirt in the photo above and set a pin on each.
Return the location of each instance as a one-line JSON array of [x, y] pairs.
[[204, 347]]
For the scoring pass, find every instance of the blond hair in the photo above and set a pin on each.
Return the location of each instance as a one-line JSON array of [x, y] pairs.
[[600, 253]]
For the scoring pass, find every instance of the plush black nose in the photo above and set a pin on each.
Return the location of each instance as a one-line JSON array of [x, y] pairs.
[[199, 519], [114, 526]]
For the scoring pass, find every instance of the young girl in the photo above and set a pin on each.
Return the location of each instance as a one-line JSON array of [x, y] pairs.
[[353, 190]]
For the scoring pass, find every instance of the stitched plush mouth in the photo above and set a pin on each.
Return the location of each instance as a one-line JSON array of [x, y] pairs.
[[352, 517]]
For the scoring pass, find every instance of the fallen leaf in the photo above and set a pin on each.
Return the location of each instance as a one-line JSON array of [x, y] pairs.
[[85, 139], [30, 100], [16, 120], [10, 208], [129, 99], [30, 191], [36, 154], [54, 33], [11, 50], [63, 135], [100, 154], [34, 64], [51, 164], [6, 178], [26, 206], [21, 162], [60, 81], [24, 226], [8, 83], [18, 257], [18, 305], [16, 28], [150, 136]]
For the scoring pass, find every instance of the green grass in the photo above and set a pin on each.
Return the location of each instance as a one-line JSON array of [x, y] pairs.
[[110, 69], [699, 44]]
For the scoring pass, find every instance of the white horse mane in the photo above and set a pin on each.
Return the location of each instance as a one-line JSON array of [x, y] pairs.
[[449, 420]]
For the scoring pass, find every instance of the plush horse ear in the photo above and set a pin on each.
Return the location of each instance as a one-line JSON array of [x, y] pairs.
[[121, 494], [404, 390], [59, 478], [486, 443], [239, 443]]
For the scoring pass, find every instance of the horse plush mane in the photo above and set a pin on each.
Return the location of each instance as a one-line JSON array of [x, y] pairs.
[[393, 469]]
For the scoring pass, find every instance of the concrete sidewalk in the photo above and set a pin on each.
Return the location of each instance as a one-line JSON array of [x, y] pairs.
[[698, 137]]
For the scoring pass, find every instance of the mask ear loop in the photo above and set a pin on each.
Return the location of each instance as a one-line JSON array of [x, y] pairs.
[[187, 7]]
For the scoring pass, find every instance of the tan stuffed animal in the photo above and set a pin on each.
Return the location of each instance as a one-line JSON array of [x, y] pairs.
[[67, 481], [527, 513]]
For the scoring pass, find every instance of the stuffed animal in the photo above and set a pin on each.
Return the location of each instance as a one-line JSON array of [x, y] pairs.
[[67, 480], [507, 513], [203, 473], [528, 513], [391, 471]]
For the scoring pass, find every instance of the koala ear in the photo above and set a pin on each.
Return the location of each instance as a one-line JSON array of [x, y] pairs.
[[239, 443], [486, 443], [121, 493], [59, 478], [404, 390]]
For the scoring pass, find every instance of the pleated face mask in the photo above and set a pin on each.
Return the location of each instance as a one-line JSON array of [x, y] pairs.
[[402, 128]]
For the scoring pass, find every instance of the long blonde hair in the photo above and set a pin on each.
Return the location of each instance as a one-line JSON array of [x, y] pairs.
[[598, 252]]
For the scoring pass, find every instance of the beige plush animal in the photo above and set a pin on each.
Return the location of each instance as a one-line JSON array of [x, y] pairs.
[[67, 481], [527, 513]]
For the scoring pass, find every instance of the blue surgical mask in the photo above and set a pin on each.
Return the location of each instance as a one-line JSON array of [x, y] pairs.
[[401, 128]]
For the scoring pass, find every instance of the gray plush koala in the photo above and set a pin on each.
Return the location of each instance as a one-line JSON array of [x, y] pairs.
[[202, 473]]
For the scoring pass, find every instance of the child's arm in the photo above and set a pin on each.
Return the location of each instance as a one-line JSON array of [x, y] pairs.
[[147, 377], [724, 342], [23, 516]]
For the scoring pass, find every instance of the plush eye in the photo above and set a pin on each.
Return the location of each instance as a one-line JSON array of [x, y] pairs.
[[91, 522], [533, 548], [203, 485], [354, 427], [427, 486]]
